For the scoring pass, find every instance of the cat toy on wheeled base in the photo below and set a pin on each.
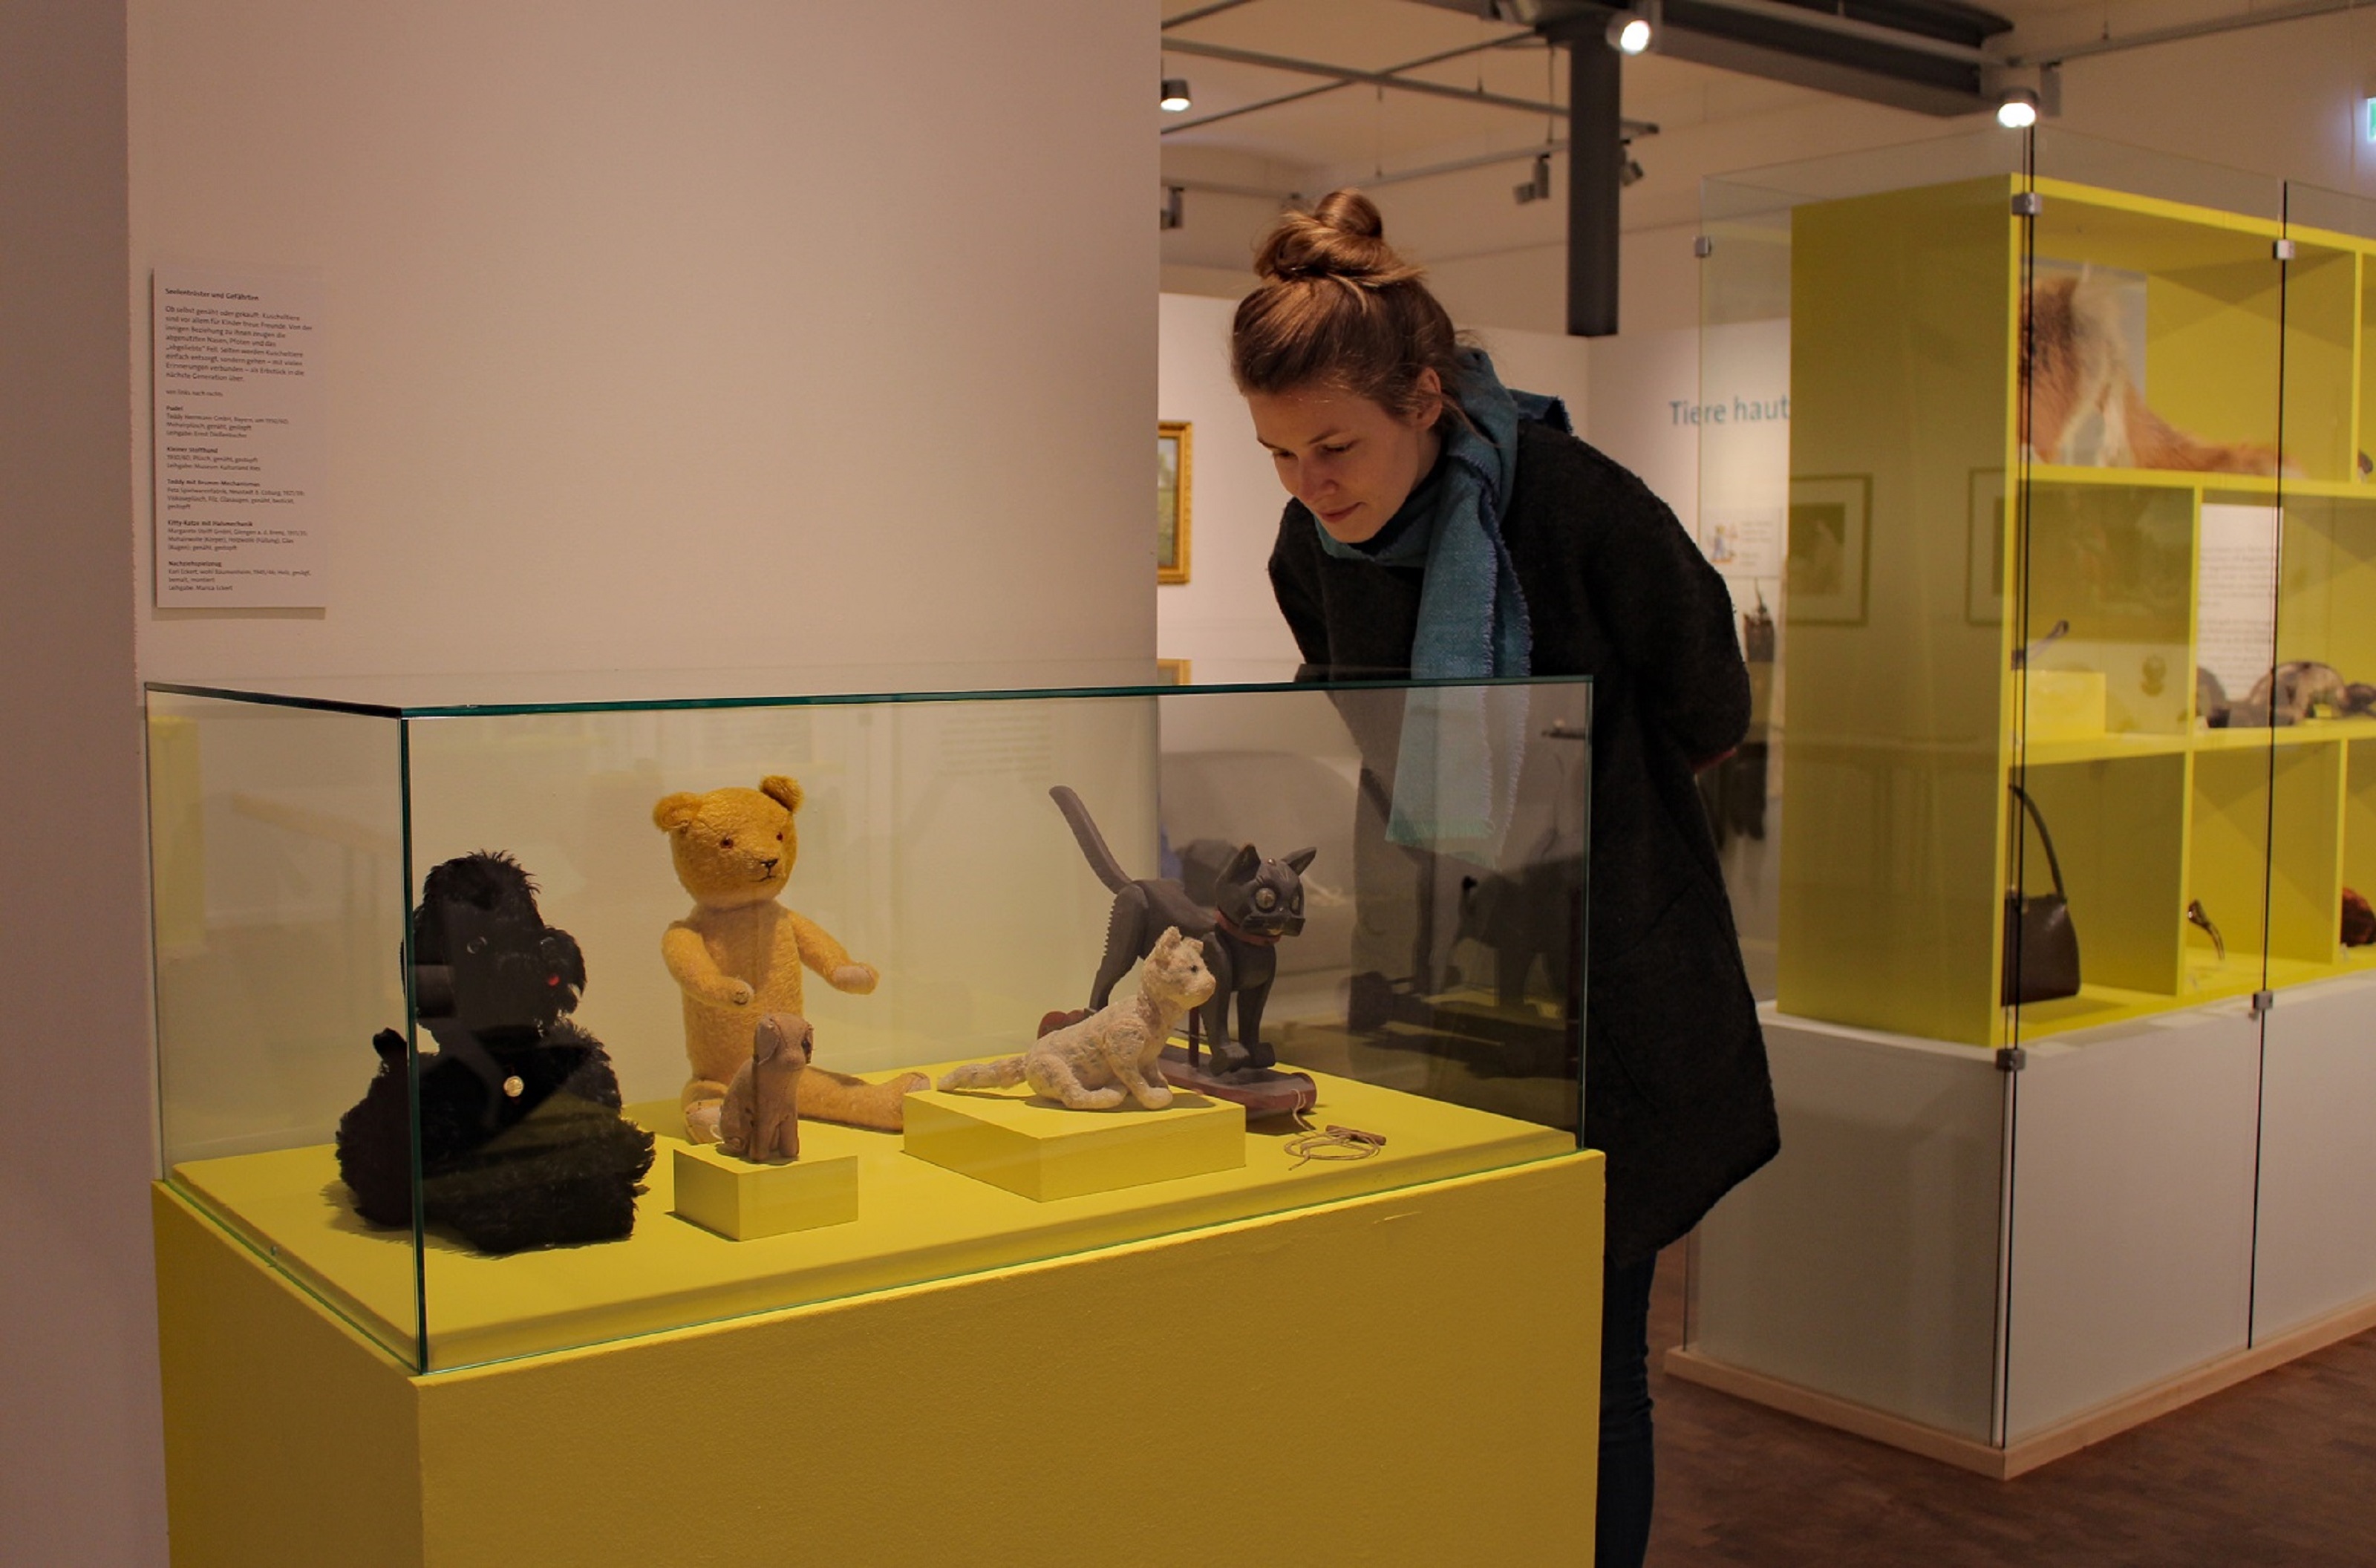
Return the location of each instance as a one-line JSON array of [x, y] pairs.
[[1249, 906]]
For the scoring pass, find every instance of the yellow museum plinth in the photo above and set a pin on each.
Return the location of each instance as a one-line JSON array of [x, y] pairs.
[[1042, 1150], [1418, 1384], [744, 1202]]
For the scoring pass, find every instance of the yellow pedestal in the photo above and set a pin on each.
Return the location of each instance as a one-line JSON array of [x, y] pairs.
[[1419, 1386], [1042, 1150], [744, 1202]]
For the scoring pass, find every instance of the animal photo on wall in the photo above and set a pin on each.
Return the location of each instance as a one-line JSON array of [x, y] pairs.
[[2085, 377]]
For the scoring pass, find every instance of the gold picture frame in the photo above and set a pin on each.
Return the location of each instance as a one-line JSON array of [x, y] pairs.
[[1172, 442]]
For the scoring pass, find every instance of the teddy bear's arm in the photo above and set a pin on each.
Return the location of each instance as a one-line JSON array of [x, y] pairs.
[[690, 964], [830, 958]]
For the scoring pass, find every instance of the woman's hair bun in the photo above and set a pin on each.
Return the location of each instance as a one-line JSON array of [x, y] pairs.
[[1342, 237]]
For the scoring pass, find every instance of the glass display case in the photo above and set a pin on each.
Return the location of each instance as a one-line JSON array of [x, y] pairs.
[[505, 1017], [2075, 632]]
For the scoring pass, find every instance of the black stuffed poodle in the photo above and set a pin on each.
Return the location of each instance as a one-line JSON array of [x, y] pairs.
[[522, 1141]]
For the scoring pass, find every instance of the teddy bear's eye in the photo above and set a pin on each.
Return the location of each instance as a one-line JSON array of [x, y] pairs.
[[780, 837], [726, 843]]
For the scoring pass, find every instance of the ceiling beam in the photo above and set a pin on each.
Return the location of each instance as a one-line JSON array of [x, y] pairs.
[[1343, 77], [1348, 76]]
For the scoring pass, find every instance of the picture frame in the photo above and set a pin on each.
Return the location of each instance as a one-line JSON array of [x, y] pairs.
[[1827, 553], [1984, 547], [1173, 455]]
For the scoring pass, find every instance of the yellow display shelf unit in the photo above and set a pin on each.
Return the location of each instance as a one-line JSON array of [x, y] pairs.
[[1910, 710]]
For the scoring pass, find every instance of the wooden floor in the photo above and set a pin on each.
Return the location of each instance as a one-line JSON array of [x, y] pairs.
[[2279, 1471]]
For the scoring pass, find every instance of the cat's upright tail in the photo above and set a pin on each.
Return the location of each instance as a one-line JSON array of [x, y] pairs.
[[1004, 1073], [1093, 843]]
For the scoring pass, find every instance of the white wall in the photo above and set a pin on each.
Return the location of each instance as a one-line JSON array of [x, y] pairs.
[[1225, 613], [659, 337], [81, 1462], [679, 321]]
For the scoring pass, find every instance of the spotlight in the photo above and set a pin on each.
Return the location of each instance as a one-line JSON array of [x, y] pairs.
[[2019, 110], [1538, 186], [1175, 95], [1631, 32]]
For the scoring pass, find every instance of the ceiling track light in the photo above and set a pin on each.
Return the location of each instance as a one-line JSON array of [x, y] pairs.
[[2017, 111], [1537, 185], [1634, 31], [1175, 99]]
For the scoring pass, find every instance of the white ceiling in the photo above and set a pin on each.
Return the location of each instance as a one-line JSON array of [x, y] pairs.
[[1505, 260], [1360, 128]]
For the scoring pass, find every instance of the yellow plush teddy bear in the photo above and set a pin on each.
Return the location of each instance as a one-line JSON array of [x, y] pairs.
[[738, 956]]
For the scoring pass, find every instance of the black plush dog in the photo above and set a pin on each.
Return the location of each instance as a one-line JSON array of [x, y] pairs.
[[522, 1143]]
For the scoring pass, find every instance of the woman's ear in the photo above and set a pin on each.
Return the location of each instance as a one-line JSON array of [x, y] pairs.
[[1427, 393]]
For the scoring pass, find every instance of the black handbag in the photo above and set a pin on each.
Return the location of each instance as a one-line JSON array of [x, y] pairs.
[[2042, 946]]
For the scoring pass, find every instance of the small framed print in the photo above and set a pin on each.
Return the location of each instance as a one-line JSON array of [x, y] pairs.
[[1828, 550], [1984, 547], [1174, 672], [1172, 460]]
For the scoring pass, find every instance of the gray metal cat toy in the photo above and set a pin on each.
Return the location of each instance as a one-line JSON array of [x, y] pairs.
[[1241, 918]]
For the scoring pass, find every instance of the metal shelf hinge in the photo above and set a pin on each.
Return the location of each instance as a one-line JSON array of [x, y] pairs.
[[2012, 1059], [2262, 1001], [2284, 249], [2028, 204], [1703, 246]]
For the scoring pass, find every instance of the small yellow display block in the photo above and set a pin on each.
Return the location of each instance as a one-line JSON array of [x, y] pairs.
[[744, 1202], [1042, 1150], [2062, 705]]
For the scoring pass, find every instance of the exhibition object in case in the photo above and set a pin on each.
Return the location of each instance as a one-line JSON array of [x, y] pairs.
[[467, 872], [2081, 548]]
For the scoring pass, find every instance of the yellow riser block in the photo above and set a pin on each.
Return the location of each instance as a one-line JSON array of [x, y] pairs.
[[744, 1202], [1029, 1145]]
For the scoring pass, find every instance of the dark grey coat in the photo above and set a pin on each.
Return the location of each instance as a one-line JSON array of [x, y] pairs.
[[1676, 1091]]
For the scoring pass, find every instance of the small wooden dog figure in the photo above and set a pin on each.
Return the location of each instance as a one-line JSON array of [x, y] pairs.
[[761, 1119]]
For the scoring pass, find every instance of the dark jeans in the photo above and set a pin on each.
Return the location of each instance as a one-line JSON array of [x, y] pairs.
[[1622, 1533]]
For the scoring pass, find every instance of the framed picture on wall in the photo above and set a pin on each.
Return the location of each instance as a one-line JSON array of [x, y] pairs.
[[1831, 517], [1171, 457], [1984, 554]]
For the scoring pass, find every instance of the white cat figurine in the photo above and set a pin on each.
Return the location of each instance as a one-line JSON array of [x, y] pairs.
[[1109, 1056]]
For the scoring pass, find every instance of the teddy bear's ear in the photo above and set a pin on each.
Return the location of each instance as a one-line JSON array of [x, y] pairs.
[[675, 811], [775, 787]]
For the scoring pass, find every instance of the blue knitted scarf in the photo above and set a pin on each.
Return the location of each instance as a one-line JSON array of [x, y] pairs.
[[1458, 771]]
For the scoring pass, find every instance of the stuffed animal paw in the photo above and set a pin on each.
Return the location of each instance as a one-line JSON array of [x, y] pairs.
[[854, 978]]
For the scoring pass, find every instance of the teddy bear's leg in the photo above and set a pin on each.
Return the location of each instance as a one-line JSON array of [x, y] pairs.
[[837, 1097], [704, 1099]]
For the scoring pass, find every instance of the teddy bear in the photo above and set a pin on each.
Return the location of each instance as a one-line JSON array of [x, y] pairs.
[[737, 956]]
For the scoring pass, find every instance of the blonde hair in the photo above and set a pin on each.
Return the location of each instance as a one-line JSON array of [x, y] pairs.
[[1339, 307]]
